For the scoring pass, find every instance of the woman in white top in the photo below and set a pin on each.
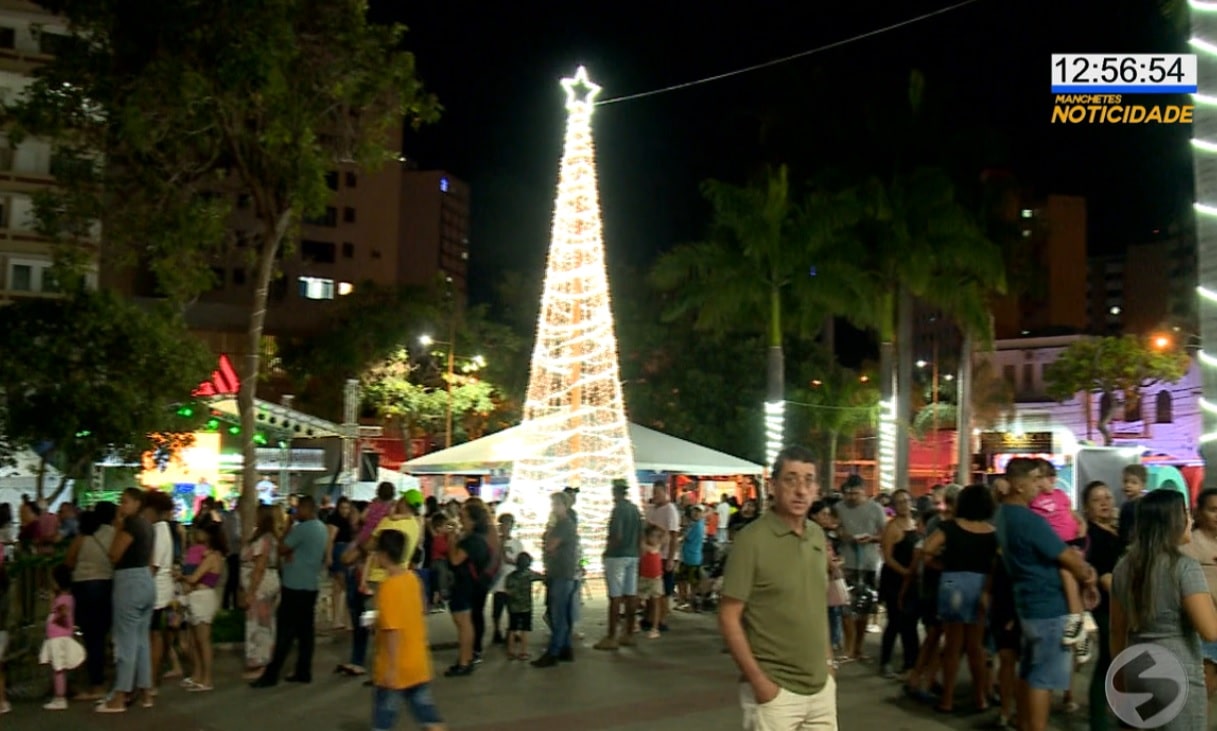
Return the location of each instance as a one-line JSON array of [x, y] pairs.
[[158, 508], [93, 585]]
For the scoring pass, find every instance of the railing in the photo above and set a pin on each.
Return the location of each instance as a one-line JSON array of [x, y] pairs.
[[28, 601]]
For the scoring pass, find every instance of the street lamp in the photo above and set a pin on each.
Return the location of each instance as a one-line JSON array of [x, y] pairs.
[[934, 402], [476, 362]]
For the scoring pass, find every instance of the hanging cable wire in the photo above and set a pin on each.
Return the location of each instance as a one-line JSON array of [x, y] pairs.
[[792, 57]]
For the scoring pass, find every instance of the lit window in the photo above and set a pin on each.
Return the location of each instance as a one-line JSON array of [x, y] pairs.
[[1027, 213], [316, 288], [443, 185], [345, 288], [1115, 310]]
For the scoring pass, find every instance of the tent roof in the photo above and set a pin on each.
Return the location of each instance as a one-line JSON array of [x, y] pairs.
[[653, 451]]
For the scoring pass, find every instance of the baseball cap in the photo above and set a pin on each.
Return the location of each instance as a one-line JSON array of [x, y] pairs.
[[413, 498]]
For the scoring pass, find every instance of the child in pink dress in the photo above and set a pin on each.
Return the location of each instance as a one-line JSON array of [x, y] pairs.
[[61, 650]]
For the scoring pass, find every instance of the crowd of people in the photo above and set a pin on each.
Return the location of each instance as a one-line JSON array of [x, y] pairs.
[[1006, 576]]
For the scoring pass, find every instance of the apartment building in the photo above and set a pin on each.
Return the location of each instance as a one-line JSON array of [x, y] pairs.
[[29, 37], [387, 227], [1055, 298], [1151, 285]]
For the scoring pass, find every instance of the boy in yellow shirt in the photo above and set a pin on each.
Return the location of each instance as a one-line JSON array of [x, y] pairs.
[[402, 671]]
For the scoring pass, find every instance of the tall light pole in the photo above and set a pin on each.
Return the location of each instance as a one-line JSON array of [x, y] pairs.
[[478, 361]]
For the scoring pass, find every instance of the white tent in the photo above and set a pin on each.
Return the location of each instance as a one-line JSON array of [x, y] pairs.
[[21, 478], [367, 490], [653, 451]]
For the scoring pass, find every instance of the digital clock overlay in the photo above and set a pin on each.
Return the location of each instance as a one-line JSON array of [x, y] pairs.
[[1120, 88]]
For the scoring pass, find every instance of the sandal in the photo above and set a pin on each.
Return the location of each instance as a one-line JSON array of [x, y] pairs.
[[107, 708], [199, 688]]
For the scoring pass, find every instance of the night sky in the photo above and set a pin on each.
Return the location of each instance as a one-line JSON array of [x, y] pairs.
[[496, 66]]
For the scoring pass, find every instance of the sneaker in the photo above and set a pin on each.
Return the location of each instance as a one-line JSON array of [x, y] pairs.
[[653, 634], [57, 704], [5, 708], [1073, 630], [567, 655], [888, 673], [459, 671], [608, 643], [1083, 651], [545, 661], [477, 659]]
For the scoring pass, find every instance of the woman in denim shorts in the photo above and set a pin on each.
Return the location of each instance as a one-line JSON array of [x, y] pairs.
[[966, 547]]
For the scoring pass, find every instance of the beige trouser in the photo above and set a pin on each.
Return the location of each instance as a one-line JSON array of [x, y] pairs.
[[791, 711]]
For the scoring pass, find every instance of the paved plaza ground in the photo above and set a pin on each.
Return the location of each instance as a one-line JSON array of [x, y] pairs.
[[681, 682]]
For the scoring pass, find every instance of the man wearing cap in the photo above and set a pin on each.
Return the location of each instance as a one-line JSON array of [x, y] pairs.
[[621, 565]]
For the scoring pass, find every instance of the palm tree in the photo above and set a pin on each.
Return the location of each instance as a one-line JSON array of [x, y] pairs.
[[836, 403], [770, 262], [921, 244]]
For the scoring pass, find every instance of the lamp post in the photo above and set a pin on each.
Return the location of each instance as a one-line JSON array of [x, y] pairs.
[[478, 362]]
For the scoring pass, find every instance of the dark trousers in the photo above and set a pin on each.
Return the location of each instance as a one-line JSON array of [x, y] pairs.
[[232, 581], [480, 592], [357, 601], [1100, 717], [94, 610], [296, 617], [901, 623], [499, 607]]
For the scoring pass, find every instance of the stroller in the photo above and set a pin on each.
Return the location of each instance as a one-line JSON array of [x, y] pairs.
[[714, 559]]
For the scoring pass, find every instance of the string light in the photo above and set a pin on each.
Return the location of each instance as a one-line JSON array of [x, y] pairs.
[[888, 434], [775, 427], [575, 410], [1204, 157]]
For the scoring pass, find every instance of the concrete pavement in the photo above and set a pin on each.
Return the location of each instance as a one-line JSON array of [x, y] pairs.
[[680, 682]]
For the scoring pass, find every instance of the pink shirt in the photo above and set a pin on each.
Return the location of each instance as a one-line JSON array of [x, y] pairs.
[[1058, 511], [376, 512], [54, 630]]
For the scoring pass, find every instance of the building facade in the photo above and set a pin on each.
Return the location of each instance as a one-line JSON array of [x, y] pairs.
[[1150, 286], [1055, 298], [29, 36], [1168, 421]]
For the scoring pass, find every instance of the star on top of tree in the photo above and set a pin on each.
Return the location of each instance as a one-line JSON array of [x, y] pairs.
[[574, 84]]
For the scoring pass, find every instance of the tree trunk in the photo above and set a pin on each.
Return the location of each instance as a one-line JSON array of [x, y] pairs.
[[775, 391], [963, 413], [40, 479], [828, 335], [65, 478], [904, 384], [1104, 423], [828, 481], [246, 396]]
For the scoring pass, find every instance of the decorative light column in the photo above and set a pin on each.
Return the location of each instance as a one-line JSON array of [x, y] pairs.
[[574, 415], [1204, 157]]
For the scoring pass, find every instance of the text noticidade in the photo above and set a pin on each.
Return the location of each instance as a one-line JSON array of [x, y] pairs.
[[1109, 109]]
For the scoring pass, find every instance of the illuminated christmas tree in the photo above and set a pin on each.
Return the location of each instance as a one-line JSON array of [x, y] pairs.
[[574, 415]]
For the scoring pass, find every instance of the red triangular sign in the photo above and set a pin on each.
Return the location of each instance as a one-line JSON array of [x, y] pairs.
[[224, 381]]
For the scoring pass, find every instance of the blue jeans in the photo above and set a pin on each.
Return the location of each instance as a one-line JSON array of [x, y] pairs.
[[836, 625], [1046, 664], [387, 703], [134, 595], [959, 594], [560, 603]]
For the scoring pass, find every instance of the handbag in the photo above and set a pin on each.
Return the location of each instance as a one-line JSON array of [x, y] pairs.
[[838, 593]]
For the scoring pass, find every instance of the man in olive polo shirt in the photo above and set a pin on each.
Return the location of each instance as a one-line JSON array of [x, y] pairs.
[[774, 612]]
